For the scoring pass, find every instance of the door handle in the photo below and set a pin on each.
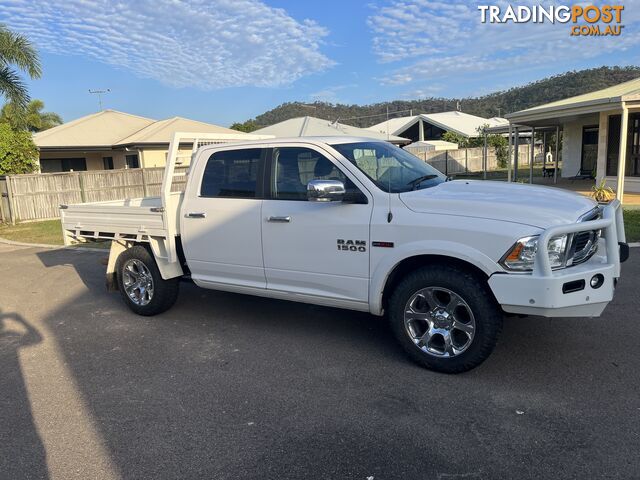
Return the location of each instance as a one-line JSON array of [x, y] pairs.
[[196, 215], [286, 219]]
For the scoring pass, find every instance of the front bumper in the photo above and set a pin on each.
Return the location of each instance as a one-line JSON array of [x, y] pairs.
[[566, 292]]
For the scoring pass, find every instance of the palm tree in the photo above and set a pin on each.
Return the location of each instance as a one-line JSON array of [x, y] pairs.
[[31, 118], [16, 51]]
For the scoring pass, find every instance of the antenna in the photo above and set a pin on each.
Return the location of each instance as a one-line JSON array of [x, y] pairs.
[[100, 93]]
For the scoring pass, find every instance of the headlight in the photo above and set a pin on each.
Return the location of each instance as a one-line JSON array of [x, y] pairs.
[[522, 255]]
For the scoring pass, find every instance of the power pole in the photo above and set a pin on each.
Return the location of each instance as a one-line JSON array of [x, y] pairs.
[[100, 93]]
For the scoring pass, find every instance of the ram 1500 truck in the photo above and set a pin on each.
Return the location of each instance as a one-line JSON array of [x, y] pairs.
[[360, 224]]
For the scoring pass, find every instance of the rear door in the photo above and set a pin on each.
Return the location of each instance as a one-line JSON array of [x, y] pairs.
[[314, 248], [221, 219]]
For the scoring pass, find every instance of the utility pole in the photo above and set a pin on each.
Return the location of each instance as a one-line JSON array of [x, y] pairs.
[[100, 93]]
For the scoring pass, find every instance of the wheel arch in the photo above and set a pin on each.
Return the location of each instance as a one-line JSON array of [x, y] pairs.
[[389, 273], [156, 249]]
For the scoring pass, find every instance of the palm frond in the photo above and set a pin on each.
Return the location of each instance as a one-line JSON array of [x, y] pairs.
[[13, 88], [16, 49]]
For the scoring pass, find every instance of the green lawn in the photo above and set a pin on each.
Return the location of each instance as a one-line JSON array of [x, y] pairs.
[[632, 225], [50, 231], [47, 231]]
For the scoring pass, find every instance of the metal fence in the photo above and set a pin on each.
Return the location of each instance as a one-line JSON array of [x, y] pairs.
[[469, 160], [37, 196]]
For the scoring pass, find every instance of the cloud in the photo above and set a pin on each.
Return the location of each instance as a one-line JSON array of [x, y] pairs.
[[207, 44], [330, 94], [424, 40]]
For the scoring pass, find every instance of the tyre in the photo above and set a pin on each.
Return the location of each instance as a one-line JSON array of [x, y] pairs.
[[445, 318], [141, 285]]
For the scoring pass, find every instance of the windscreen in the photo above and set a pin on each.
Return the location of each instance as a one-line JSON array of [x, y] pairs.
[[389, 167]]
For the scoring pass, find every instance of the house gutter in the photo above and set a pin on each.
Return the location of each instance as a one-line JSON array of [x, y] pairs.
[[580, 108]]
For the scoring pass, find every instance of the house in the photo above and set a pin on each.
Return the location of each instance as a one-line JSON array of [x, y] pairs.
[[600, 132], [110, 139], [431, 126], [317, 127], [430, 146]]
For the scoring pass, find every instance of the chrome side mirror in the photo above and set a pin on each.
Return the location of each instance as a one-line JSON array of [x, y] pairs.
[[325, 191]]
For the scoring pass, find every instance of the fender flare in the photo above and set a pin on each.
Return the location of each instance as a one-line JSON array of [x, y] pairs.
[[158, 250], [455, 250]]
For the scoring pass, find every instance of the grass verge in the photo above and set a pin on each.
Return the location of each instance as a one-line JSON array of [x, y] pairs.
[[47, 232], [632, 225]]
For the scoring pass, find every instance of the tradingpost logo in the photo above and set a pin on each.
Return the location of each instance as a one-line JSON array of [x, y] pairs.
[[584, 20]]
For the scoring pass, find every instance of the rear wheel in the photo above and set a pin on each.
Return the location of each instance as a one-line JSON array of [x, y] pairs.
[[141, 285], [445, 318]]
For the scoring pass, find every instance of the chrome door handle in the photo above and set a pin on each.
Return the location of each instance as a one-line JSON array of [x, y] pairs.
[[279, 219], [196, 215]]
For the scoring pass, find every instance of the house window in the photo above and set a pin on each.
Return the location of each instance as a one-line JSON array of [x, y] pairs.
[[633, 157], [613, 145], [52, 165], [589, 149], [632, 164], [108, 163], [132, 161]]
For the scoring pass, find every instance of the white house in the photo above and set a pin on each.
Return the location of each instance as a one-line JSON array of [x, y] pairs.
[[110, 139], [601, 132], [318, 127], [431, 126]]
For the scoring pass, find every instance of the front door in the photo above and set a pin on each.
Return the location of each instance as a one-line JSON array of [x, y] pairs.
[[313, 248], [221, 219]]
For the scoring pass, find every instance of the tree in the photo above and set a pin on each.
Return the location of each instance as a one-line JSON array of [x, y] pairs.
[[500, 144], [32, 118], [247, 127], [18, 153], [16, 51], [463, 142]]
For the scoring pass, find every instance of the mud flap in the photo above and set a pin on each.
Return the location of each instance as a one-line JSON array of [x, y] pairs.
[[111, 278]]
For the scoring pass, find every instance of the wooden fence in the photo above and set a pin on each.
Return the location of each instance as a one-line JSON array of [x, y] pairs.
[[38, 196]]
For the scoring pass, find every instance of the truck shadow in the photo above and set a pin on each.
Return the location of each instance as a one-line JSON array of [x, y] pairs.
[[227, 385], [18, 432]]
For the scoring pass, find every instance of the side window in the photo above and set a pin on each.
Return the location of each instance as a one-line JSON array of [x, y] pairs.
[[232, 174], [293, 167]]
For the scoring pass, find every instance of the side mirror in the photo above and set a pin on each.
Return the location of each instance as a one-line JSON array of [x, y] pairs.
[[325, 191]]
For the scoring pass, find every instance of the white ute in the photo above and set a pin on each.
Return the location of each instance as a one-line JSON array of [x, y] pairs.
[[360, 224]]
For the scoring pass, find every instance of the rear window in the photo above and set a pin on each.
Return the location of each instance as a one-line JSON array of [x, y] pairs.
[[232, 174]]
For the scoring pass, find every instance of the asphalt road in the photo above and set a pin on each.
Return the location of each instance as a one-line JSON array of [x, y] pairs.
[[235, 387]]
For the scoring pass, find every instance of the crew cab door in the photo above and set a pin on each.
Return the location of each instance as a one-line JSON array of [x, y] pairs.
[[312, 247], [220, 219]]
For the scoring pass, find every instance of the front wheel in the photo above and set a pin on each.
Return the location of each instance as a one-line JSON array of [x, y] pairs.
[[445, 318], [141, 285]]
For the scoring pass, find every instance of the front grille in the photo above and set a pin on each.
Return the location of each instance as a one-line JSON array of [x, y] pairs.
[[584, 245]]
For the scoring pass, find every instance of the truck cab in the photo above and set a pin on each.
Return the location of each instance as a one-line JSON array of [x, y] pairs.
[[360, 224]]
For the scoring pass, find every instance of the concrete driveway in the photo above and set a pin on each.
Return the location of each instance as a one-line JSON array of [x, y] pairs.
[[230, 386]]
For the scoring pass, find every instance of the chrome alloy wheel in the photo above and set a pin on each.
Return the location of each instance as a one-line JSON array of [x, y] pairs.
[[439, 322], [137, 282]]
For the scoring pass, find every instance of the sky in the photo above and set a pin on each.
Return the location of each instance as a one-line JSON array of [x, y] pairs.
[[226, 61]]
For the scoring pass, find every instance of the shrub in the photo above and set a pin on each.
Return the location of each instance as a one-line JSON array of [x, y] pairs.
[[18, 153]]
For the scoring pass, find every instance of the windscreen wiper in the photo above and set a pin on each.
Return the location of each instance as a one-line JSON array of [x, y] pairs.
[[415, 183]]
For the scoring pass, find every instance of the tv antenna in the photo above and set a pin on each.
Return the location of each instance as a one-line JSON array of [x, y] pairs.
[[100, 93]]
